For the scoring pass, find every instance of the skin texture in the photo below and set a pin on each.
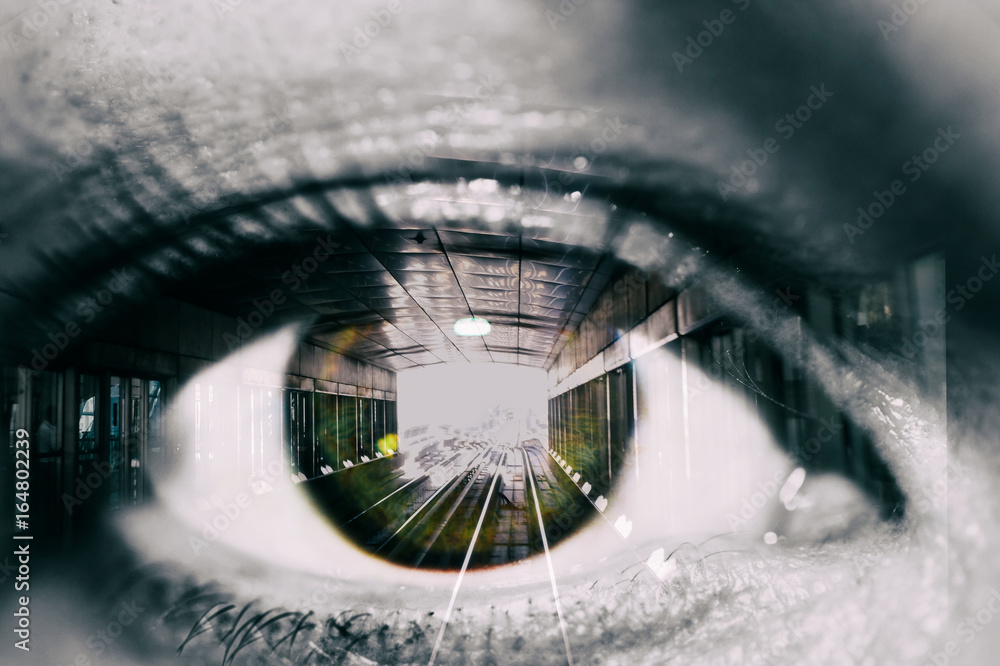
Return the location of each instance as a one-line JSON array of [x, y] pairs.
[[176, 108]]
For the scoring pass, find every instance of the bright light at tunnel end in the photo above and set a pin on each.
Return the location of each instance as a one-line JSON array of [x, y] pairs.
[[472, 326]]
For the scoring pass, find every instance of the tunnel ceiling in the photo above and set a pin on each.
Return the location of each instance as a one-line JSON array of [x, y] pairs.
[[406, 262]]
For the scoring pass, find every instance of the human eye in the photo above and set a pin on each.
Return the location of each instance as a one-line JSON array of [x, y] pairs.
[[699, 410], [744, 429]]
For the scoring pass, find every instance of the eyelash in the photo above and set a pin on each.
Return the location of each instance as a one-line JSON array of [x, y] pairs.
[[703, 590]]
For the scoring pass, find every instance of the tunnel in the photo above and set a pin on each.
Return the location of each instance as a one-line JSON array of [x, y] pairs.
[[377, 280], [260, 348], [400, 352]]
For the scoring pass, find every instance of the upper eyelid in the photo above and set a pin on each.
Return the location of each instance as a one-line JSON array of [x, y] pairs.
[[644, 186], [673, 190], [638, 195]]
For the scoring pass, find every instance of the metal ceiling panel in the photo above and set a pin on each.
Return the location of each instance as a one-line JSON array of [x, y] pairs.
[[460, 242], [422, 358], [476, 265], [403, 240], [418, 292], [534, 270], [423, 261], [422, 278], [365, 279], [398, 363], [505, 357], [407, 261], [322, 295], [351, 263], [381, 291]]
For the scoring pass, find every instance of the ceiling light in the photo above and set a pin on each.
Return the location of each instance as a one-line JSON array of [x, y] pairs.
[[472, 326]]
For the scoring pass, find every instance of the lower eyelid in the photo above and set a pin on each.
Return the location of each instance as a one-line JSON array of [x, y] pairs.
[[692, 609]]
